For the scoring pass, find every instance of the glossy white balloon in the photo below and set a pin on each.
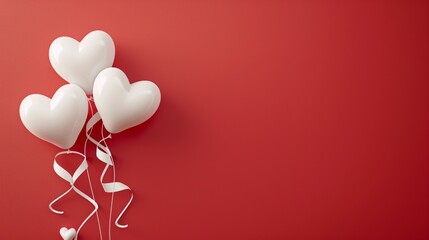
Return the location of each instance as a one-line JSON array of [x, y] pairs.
[[59, 120], [123, 105], [80, 63]]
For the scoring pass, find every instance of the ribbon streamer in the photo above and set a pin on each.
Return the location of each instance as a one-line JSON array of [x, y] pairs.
[[72, 178], [103, 154]]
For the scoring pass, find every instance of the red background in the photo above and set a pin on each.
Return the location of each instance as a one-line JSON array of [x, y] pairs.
[[278, 120]]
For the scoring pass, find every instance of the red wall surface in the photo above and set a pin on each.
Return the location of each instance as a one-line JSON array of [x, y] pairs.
[[278, 120]]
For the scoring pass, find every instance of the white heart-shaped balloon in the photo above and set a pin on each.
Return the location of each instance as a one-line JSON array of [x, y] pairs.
[[59, 120], [67, 234], [80, 63], [123, 105]]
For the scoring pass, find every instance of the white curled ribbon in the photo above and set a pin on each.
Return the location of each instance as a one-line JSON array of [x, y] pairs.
[[72, 178], [103, 154]]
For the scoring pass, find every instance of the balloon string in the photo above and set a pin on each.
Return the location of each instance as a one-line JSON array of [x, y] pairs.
[[90, 99], [103, 154], [64, 174], [114, 180]]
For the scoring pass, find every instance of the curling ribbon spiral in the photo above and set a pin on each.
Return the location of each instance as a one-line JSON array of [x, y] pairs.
[[72, 178], [103, 154]]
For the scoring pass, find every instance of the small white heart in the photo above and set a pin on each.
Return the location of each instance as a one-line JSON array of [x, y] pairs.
[[79, 63], [123, 105], [67, 234], [58, 121]]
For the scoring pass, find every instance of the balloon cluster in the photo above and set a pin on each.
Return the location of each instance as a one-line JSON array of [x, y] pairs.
[[87, 66]]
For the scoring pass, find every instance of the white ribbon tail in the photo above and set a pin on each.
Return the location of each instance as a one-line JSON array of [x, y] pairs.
[[56, 199], [114, 187]]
